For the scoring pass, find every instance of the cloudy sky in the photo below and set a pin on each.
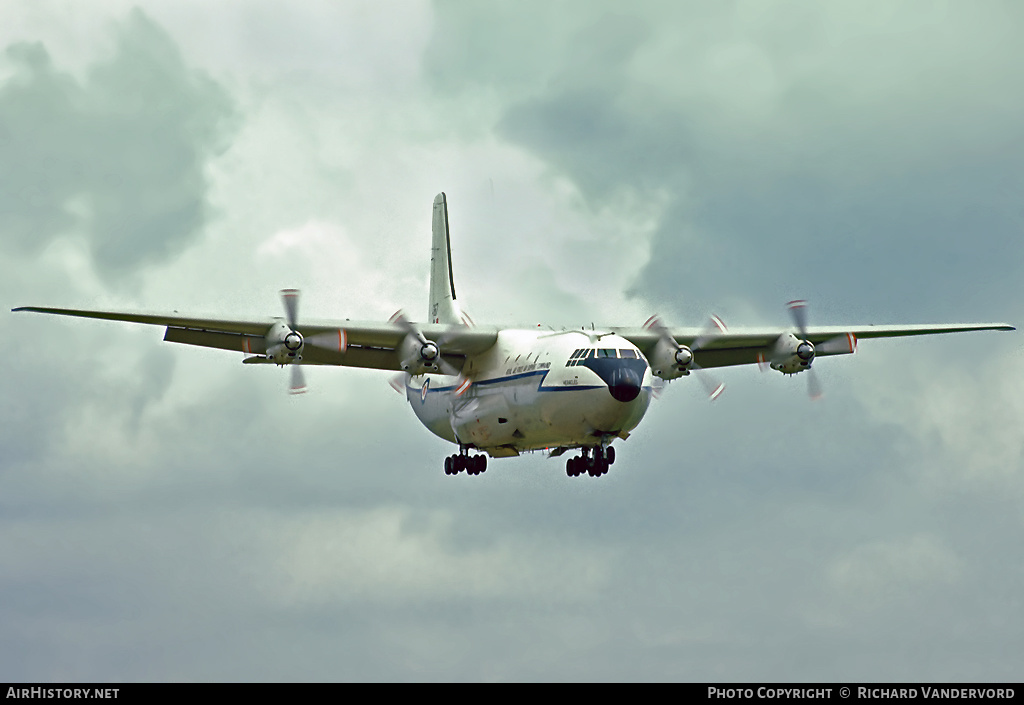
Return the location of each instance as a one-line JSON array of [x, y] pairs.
[[167, 513]]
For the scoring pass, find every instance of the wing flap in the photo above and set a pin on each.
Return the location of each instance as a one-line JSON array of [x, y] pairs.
[[249, 344]]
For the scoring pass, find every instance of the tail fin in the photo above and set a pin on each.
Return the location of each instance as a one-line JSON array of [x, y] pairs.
[[443, 307]]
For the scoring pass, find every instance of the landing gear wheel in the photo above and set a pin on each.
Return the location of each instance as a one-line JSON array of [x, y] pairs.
[[598, 463], [593, 462], [474, 465], [573, 467]]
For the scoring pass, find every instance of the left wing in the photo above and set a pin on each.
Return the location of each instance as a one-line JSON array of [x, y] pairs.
[[369, 344]]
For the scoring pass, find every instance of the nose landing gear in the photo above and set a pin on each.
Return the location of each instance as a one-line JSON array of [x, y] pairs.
[[593, 461]]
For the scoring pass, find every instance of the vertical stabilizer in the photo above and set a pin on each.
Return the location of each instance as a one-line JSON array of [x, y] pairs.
[[443, 307]]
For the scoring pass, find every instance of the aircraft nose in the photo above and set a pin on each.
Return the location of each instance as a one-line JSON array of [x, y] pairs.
[[624, 384]]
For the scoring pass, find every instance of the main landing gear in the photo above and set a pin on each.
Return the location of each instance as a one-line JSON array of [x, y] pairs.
[[472, 464], [593, 461]]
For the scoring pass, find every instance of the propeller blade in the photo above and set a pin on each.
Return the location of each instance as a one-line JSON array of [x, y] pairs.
[[290, 298], [842, 344], [335, 340], [655, 323], [398, 382], [298, 385], [462, 387], [798, 310], [400, 319], [714, 329], [658, 387], [813, 385], [712, 386], [448, 368]]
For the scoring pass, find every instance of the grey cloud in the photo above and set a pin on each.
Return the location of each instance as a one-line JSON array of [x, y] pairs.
[[118, 155], [864, 167], [787, 176], [915, 227], [163, 538]]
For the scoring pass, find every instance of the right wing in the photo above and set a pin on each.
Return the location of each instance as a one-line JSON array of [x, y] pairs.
[[743, 346], [360, 343]]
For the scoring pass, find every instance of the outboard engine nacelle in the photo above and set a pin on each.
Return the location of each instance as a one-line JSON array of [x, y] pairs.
[[792, 355], [284, 345]]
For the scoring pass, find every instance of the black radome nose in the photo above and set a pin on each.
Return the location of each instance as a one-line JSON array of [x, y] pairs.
[[625, 384]]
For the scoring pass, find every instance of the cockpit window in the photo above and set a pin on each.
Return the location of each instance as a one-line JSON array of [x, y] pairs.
[[577, 357], [580, 356], [627, 354]]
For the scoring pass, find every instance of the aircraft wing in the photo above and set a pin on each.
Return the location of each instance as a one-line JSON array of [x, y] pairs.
[[368, 344], [742, 346]]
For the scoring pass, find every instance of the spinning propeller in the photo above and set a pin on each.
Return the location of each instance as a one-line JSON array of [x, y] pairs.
[[796, 354], [671, 360], [420, 355], [285, 343]]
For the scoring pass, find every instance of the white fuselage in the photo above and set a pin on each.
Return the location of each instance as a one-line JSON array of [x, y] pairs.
[[527, 393]]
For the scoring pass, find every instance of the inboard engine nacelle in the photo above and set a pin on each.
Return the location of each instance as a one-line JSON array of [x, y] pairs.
[[670, 360]]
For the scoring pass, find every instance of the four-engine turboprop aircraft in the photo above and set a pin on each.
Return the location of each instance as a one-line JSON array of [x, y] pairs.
[[501, 392]]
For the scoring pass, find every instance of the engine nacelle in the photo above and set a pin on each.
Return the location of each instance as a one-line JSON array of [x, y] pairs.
[[284, 345], [792, 355], [670, 361], [420, 357]]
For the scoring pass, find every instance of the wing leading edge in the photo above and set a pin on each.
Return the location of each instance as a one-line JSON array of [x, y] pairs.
[[742, 346], [368, 344]]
